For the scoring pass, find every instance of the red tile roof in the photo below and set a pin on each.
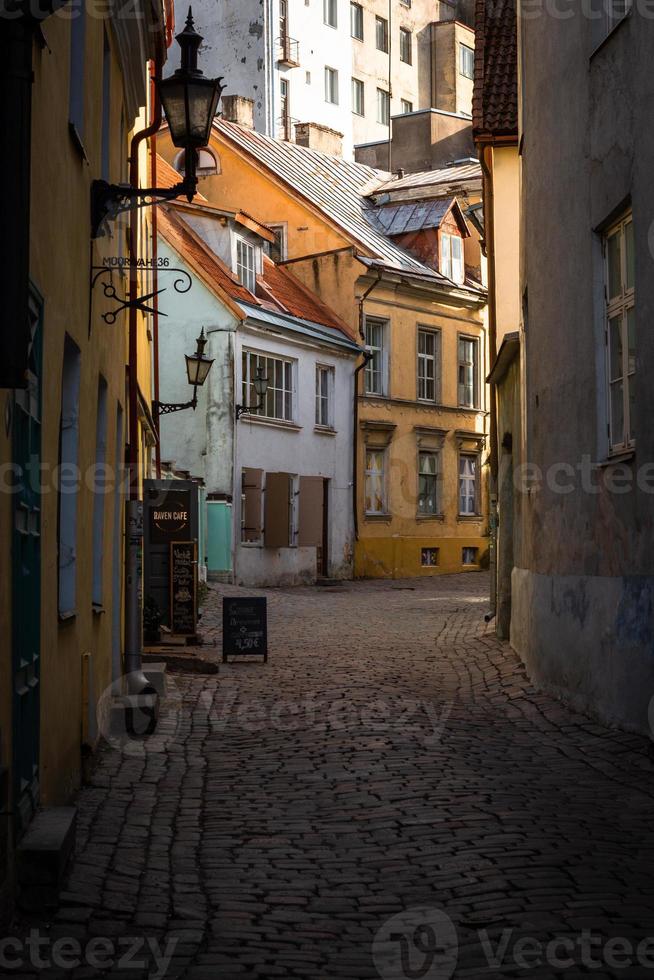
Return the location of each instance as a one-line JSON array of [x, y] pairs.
[[291, 295], [495, 94]]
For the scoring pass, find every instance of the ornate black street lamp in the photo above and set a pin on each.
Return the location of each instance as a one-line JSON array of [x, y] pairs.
[[189, 102], [261, 387], [197, 369]]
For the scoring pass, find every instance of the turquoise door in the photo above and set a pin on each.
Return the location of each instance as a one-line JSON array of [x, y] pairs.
[[219, 536], [26, 584]]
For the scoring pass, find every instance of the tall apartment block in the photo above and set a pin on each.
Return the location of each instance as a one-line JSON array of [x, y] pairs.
[[317, 68]]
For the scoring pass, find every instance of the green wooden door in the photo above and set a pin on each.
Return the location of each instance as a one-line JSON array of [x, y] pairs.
[[26, 585]]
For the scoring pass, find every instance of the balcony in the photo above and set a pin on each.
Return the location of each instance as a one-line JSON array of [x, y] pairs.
[[288, 52]]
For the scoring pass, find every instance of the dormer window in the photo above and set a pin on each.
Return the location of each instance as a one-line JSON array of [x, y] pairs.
[[452, 264], [207, 164], [246, 264]]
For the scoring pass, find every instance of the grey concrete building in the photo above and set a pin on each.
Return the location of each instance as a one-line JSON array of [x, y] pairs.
[[583, 581]]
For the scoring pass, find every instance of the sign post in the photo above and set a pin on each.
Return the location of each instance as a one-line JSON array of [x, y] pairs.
[[245, 627]]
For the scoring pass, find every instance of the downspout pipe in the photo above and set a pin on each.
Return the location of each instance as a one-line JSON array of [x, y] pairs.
[[489, 247], [137, 681], [367, 356], [137, 139]]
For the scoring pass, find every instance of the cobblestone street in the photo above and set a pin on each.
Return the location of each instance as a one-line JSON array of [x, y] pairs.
[[390, 758]]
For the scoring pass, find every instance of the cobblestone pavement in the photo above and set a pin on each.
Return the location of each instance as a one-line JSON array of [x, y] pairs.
[[391, 760]]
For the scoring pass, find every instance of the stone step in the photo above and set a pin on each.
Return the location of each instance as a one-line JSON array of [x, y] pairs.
[[42, 856], [156, 675]]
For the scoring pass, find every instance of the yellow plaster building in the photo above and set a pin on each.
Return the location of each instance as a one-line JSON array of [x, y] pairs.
[[64, 407]]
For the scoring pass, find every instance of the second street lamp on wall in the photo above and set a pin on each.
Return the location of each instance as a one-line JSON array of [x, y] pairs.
[[260, 384], [197, 369]]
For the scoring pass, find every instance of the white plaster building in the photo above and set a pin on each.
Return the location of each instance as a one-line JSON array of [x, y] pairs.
[[278, 480], [347, 66]]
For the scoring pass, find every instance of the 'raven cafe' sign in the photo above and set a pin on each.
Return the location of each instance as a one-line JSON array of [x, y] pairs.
[[245, 627], [183, 567]]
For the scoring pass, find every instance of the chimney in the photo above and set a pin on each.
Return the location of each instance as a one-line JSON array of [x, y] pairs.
[[239, 110], [318, 137]]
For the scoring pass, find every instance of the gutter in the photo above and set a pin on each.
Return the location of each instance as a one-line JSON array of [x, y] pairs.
[[367, 356], [489, 249]]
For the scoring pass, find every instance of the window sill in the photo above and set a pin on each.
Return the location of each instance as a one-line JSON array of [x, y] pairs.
[[98, 609], [67, 617], [324, 430], [378, 518], [276, 423], [430, 517], [251, 544], [624, 456], [469, 518]]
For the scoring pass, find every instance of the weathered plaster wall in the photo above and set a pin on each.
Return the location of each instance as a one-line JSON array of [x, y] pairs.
[[184, 435], [582, 590], [237, 45]]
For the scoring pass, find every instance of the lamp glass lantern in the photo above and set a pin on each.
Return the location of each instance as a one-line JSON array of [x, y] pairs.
[[189, 99], [260, 384], [197, 365]]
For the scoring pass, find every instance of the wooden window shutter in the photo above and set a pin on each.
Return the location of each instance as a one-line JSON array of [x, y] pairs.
[[277, 522], [311, 511], [252, 484]]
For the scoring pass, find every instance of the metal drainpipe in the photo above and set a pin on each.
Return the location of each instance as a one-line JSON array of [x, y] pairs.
[[138, 683], [390, 85], [489, 241], [155, 302], [355, 439]]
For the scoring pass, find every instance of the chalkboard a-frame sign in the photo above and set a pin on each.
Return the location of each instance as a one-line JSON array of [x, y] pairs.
[[245, 627], [183, 593]]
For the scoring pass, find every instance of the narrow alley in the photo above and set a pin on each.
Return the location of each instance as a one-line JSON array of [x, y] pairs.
[[390, 768]]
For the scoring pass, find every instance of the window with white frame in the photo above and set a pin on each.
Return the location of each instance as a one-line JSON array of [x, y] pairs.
[[330, 12], [468, 484], [406, 46], [279, 400], [428, 483], [356, 21], [246, 264], [620, 333], [468, 373], [358, 104], [381, 34], [375, 373], [331, 86], [375, 486], [429, 357], [466, 61], [406, 106], [452, 264], [383, 107], [324, 389]]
